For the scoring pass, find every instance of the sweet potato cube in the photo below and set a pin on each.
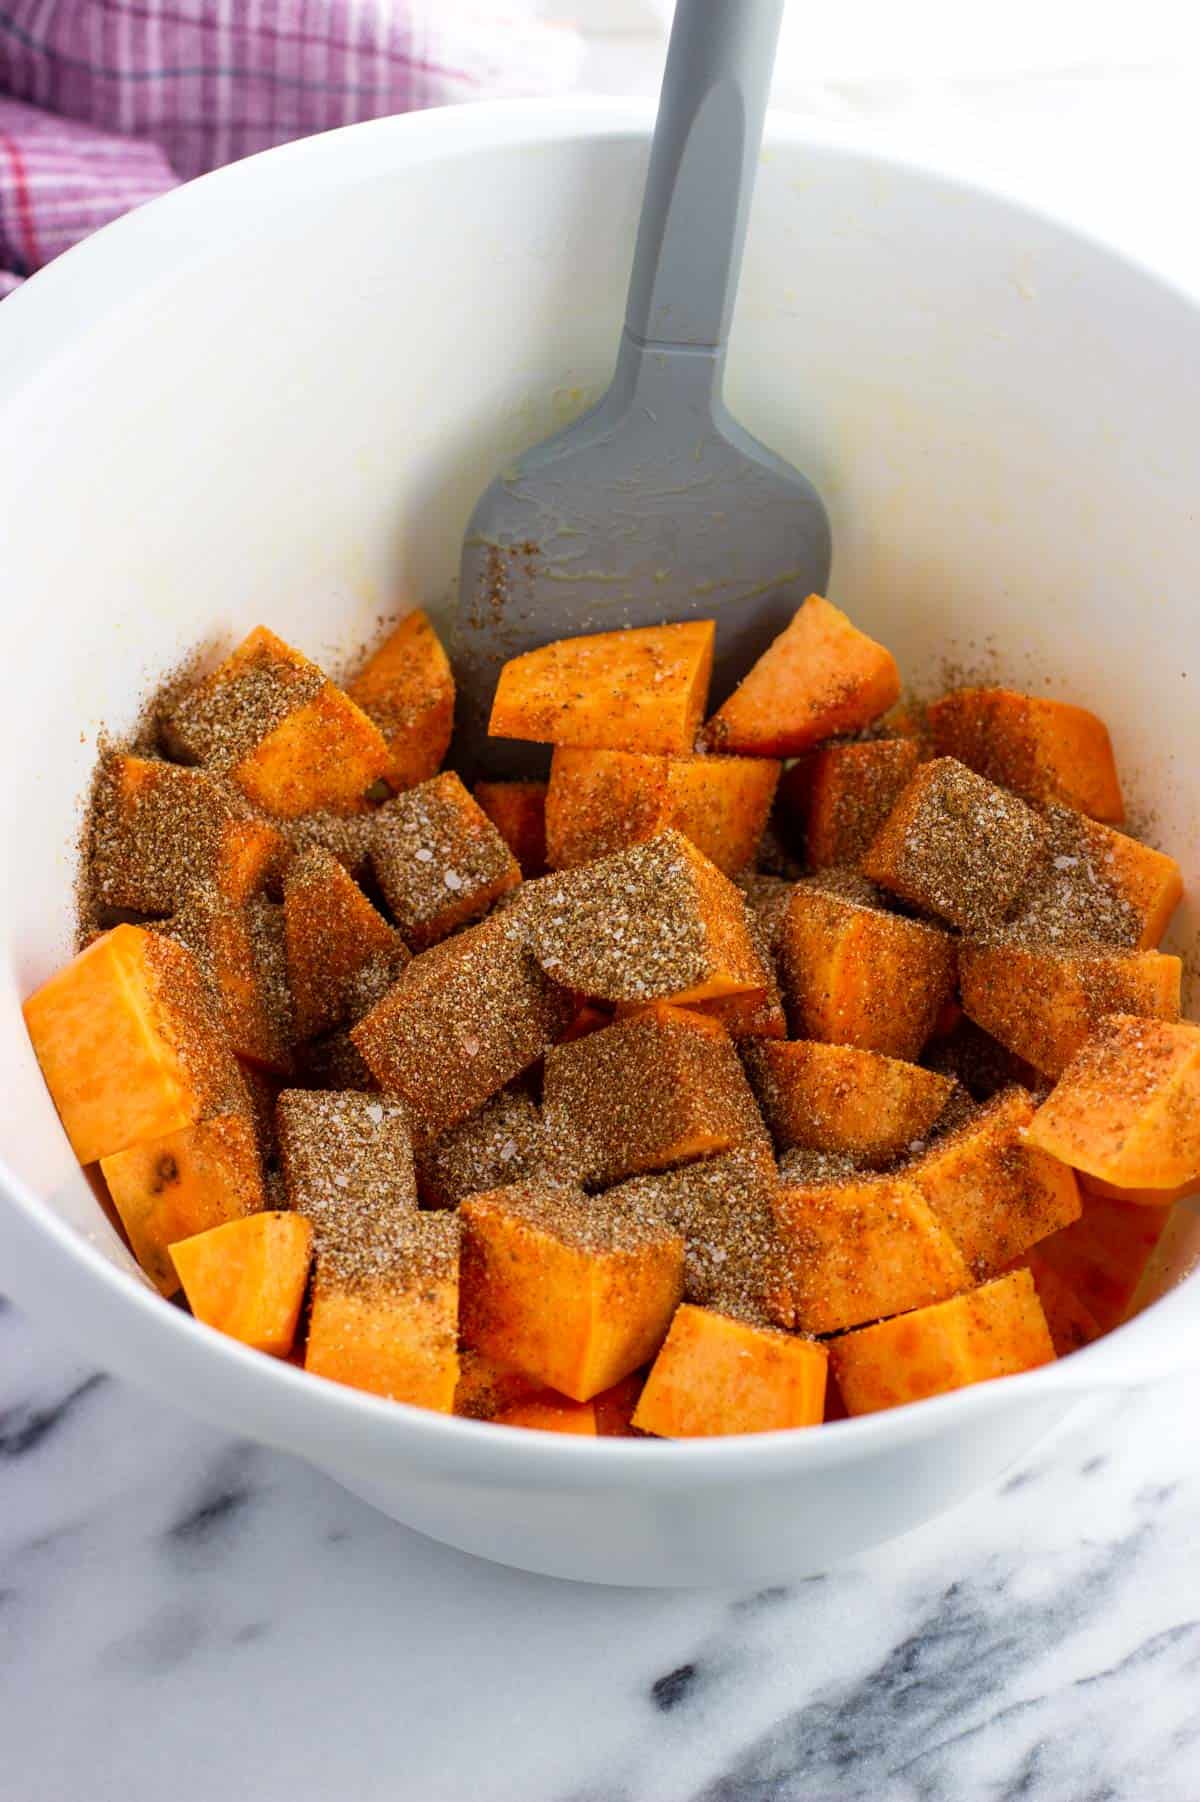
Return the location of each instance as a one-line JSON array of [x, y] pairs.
[[1127, 1106], [854, 974], [859, 1250], [576, 1292], [240, 953], [518, 812], [599, 801], [156, 829], [438, 859], [248, 1277], [332, 934], [1072, 1323], [995, 1331], [641, 689], [128, 1044], [278, 728], [994, 1194], [768, 899], [546, 1412], [751, 1014], [393, 1331], [837, 1098], [1103, 1254], [1042, 1003], [722, 804], [715, 1375], [645, 1093], [851, 791], [1044, 750], [463, 1019], [486, 1389], [185, 1182], [658, 921], [505, 1142], [1096, 884], [957, 845], [348, 1168], [406, 688], [820, 677]]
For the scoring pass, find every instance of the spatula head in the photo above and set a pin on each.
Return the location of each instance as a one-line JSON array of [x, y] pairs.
[[655, 506]]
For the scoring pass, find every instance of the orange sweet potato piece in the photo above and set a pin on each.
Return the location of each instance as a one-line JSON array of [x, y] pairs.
[[1103, 1255], [240, 953], [641, 689], [1072, 1323], [486, 1389], [837, 1098], [406, 688], [820, 677], [248, 1277], [859, 1250], [546, 1412], [1096, 884], [157, 828], [851, 789], [128, 1044], [336, 942], [185, 1182], [957, 845], [655, 922], [278, 728], [438, 859], [722, 804], [518, 812], [601, 801], [1041, 1003], [853, 974], [1044, 750], [995, 1194], [575, 1292], [395, 1333], [1127, 1106], [994, 1331], [658, 1089], [715, 1375]]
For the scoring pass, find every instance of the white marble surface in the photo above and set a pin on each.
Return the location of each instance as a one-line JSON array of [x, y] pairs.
[[189, 1617]]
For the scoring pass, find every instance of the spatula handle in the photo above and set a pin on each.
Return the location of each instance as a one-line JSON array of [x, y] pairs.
[[702, 167]]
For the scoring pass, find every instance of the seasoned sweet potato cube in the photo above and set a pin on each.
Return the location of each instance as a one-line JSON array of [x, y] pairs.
[[851, 791], [641, 689], [463, 1020], [1071, 1322], [518, 812], [332, 934], [715, 1375], [348, 1168], [858, 1250], [837, 1098], [406, 688], [994, 1194], [957, 845], [546, 1412], [248, 1277], [722, 804], [185, 1182], [505, 1142], [601, 801], [1127, 1106], [645, 1093], [1041, 749], [438, 859], [393, 1330], [275, 724], [768, 899], [240, 953], [1096, 884], [1041, 1002], [854, 974], [156, 829], [1103, 1255], [128, 1044], [576, 1292], [820, 677], [486, 1389], [995, 1331], [658, 921]]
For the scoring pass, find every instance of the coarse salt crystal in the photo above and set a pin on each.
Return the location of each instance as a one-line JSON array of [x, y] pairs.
[[508, 1150], [471, 1046], [374, 1113], [452, 879], [423, 856]]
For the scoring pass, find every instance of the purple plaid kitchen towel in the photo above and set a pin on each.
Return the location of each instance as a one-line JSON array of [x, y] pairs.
[[105, 103]]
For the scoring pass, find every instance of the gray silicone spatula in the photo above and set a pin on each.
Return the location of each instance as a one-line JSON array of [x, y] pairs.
[[655, 505]]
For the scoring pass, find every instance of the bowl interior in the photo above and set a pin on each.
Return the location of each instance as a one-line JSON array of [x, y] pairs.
[[276, 395]]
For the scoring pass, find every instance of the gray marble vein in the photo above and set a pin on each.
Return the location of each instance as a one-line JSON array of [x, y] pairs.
[[186, 1615]]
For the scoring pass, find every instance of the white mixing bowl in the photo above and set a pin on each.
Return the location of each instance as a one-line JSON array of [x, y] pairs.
[[275, 394]]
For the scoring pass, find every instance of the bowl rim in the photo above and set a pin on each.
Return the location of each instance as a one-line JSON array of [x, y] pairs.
[[272, 1399]]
